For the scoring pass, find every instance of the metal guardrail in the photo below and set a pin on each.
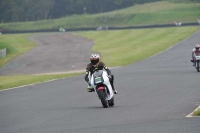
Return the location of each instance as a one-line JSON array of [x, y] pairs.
[[3, 53]]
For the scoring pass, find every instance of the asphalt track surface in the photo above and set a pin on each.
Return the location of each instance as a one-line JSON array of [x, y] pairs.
[[155, 96]]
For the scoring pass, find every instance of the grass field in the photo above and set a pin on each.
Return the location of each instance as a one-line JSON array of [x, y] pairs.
[[152, 13], [119, 48], [20, 80]]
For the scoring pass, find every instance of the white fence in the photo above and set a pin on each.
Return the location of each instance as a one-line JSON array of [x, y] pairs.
[[3, 53]]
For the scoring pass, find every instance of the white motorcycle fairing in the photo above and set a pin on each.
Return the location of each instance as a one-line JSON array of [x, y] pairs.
[[106, 82], [197, 61]]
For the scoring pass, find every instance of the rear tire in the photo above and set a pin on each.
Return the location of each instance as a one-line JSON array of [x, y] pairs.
[[102, 97]]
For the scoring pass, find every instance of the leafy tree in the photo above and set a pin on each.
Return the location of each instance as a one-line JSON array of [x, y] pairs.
[[31, 10], [44, 7]]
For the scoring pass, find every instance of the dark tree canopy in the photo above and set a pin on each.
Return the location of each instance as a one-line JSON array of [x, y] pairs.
[[31, 10]]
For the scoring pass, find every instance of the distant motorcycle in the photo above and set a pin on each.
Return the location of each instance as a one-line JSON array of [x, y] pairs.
[[101, 84], [197, 61]]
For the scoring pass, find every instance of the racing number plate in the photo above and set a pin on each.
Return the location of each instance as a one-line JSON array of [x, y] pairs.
[[197, 57], [97, 80]]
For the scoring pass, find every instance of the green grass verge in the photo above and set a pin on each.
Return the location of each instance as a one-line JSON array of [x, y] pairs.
[[152, 13], [117, 48], [123, 47], [20, 80], [196, 113]]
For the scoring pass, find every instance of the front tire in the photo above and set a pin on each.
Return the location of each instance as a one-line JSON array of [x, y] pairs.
[[102, 97], [197, 65]]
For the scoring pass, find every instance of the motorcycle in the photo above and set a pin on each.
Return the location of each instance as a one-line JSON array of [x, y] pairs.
[[197, 61], [101, 84]]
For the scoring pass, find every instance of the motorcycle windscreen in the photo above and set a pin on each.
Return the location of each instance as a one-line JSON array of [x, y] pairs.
[[98, 77]]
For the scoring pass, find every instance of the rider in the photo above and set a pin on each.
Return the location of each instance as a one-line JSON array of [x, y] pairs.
[[97, 64], [195, 50]]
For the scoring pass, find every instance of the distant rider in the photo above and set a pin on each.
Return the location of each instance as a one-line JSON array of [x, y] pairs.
[[195, 50], [97, 64]]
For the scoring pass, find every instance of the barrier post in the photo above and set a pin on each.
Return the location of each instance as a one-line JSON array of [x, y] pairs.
[[3, 53]]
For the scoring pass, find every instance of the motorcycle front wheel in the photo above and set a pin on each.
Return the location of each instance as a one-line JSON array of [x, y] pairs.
[[102, 97], [197, 65]]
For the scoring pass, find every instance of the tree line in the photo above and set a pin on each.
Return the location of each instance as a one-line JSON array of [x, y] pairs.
[[32, 10]]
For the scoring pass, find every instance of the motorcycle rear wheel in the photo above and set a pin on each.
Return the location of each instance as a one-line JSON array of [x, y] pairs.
[[102, 97]]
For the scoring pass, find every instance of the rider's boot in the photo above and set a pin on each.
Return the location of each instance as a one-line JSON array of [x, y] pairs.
[[90, 89], [112, 85], [193, 62], [114, 90]]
